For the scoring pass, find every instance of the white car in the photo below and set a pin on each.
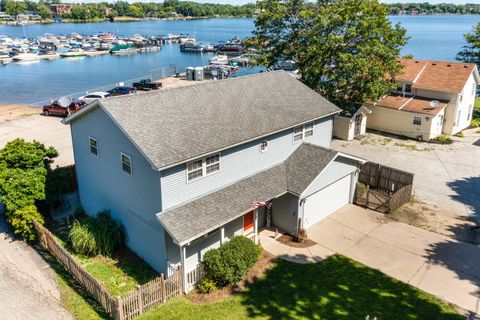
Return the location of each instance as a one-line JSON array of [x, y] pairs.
[[90, 97]]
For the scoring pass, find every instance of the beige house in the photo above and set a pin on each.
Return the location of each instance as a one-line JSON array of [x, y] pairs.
[[432, 98]]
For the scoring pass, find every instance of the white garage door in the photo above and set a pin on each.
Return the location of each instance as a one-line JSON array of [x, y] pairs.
[[326, 201]]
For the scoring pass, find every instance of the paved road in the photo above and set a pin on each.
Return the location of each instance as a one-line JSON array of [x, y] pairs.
[[447, 176], [48, 130], [27, 285], [437, 264]]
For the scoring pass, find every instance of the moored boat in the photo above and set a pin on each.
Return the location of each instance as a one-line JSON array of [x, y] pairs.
[[74, 52], [26, 57], [123, 49]]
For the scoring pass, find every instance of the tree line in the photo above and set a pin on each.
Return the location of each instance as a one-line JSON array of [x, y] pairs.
[[428, 8], [101, 10]]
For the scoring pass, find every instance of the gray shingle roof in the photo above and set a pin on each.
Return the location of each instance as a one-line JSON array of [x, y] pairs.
[[224, 205], [175, 125]]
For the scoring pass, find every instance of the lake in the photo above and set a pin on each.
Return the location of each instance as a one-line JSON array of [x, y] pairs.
[[432, 37]]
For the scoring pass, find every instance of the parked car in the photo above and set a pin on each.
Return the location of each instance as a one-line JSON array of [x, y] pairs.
[[118, 91], [56, 109], [147, 84], [92, 96]]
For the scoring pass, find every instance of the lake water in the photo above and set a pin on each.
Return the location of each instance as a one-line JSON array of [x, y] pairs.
[[432, 37]]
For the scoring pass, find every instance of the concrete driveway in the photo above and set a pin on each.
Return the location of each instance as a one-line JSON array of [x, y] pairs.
[[48, 130], [447, 176], [444, 267]]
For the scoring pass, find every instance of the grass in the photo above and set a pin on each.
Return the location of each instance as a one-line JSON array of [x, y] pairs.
[[120, 273], [412, 147], [337, 288]]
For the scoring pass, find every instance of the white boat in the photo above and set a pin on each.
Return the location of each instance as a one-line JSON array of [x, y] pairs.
[[74, 52], [218, 59], [26, 57]]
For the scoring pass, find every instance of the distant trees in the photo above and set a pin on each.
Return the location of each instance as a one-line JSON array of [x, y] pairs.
[[471, 51], [344, 48], [15, 8], [428, 8]]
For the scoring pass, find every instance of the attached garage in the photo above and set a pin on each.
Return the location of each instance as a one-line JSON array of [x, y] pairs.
[[325, 201]]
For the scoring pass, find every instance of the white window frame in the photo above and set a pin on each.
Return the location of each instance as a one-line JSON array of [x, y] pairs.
[[263, 146], [304, 132], [204, 167], [90, 139], [405, 88], [131, 163], [459, 116], [474, 89], [415, 120]]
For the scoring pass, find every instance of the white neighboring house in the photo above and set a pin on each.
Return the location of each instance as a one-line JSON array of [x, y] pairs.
[[432, 98]]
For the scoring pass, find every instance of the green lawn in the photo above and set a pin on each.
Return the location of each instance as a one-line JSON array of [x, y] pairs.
[[337, 288], [120, 273]]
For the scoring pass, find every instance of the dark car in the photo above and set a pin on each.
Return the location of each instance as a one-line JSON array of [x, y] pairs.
[[118, 91], [56, 109], [147, 85]]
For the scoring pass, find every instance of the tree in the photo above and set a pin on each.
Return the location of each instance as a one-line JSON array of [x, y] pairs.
[[471, 51], [15, 8], [23, 170], [346, 50], [44, 11]]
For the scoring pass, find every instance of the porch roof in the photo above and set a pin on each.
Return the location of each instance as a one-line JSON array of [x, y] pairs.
[[189, 221]]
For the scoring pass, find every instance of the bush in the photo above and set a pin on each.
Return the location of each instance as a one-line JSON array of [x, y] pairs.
[[99, 235], [22, 221], [231, 262], [207, 285], [302, 236], [475, 123], [460, 135], [442, 139]]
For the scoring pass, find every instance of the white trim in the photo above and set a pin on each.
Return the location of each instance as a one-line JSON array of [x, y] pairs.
[[90, 138], [203, 168], [122, 154], [303, 138]]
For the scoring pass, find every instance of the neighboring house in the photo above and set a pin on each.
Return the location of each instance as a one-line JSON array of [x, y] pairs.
[[432, 98], [348, 125], [181, 167], [61, 8]]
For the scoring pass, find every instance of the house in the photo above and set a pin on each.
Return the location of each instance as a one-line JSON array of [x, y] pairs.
[[348, 125], [61, 8], [181, 168], [432, 98]]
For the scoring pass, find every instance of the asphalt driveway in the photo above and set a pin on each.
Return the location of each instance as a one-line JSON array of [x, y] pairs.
[[437, 264], [447, 176]]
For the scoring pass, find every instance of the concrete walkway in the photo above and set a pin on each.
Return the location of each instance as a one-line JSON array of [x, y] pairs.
[[439, 265]]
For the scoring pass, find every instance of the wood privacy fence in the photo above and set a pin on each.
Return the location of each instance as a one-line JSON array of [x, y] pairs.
[[386, 188], [146, 296]]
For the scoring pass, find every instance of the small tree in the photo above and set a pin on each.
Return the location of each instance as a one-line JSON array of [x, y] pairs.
[[471, 51], [22, 221], [15, 8], [44, 11]]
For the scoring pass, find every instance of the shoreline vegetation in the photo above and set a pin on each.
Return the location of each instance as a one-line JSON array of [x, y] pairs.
[[122, 11]]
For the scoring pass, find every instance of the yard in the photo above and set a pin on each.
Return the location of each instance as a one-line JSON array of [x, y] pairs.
[[337, 288]]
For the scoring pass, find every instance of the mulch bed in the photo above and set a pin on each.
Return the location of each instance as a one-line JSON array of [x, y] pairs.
[[265, 262], [288, 240]]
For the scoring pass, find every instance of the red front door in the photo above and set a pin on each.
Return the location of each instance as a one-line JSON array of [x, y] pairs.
[[248, 222]]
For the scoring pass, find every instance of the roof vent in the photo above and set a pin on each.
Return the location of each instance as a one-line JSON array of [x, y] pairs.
[[434, 64], [417, 61], [449, 65], [465, 67], [434, 103]]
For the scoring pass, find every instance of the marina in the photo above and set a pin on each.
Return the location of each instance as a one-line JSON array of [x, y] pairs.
[[38, 80]]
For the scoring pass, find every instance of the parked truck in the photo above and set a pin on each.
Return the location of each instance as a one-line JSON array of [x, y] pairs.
[[147, 85]]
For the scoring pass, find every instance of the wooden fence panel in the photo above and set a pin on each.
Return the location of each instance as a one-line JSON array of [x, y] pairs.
[[384, 178], [400, 197], [135, 303]]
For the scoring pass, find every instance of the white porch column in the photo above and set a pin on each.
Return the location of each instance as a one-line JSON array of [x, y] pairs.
[[222, 235], [183, 254], [255, 225]]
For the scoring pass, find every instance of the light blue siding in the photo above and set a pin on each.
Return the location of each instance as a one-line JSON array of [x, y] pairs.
[[133, 199], [338, 169], [237, 163], [285, 213]]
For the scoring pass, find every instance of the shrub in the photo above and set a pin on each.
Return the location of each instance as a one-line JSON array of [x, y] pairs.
[[442, 139], [22, 221], [207, 285], [231, 262], [460, 135], [97, 235], [302, 235], [475, 123]]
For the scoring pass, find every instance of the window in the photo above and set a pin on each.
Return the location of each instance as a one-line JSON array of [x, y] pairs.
[[303, 132], [263, 146], [203, 167], [93, 146], [474, 89], [408, 88], [417, 121], [459, 115], [126, 163], [470, 109]]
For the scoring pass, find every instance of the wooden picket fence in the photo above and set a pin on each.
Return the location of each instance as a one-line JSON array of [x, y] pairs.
[[194, 276], [137, 302], [386, 188]]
